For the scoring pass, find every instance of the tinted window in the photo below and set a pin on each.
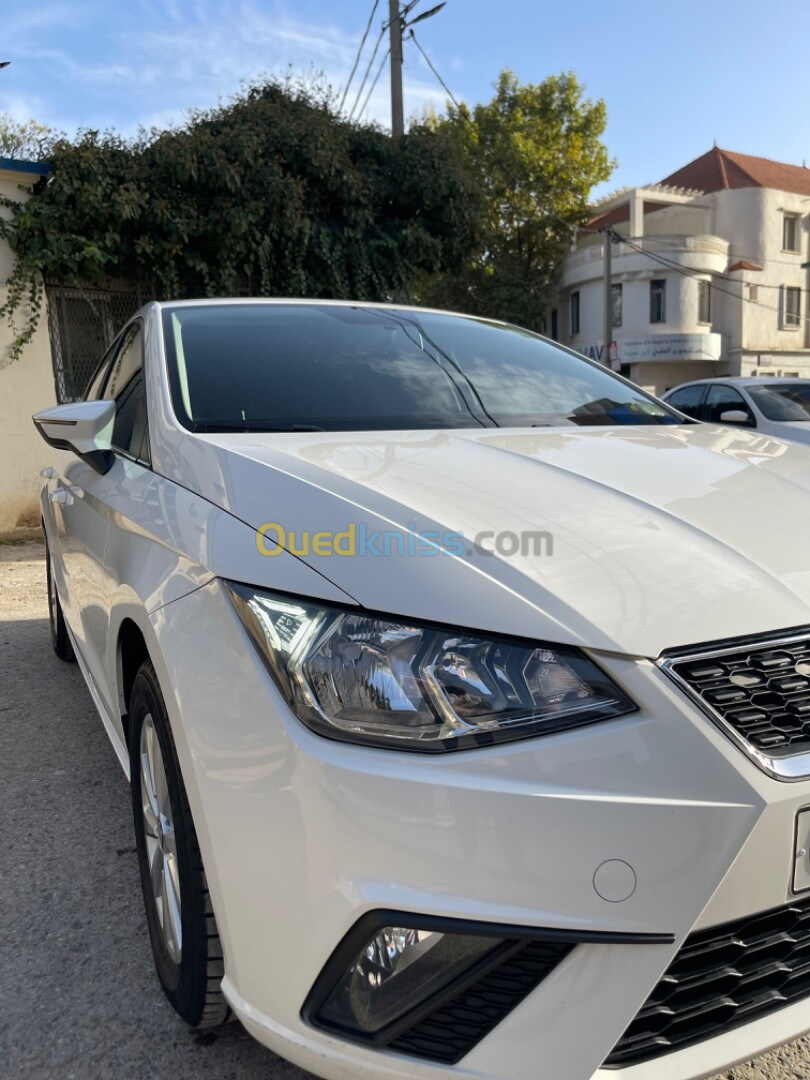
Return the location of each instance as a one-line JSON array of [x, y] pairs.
[[128, 361], [522, 380], [787, 401], [720, 399], [658, 300], [130, 429], [280, 366], [688, 400], [93, 391]]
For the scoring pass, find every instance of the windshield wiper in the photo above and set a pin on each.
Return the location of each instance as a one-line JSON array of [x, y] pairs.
[[210, 426]]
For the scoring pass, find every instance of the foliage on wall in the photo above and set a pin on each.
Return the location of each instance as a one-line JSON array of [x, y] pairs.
[[271, 194]]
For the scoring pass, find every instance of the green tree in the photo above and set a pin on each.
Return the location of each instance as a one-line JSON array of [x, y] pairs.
[[272, 194], [533, 154], [27, 140]]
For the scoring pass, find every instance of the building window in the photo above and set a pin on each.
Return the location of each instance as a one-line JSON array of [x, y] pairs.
[[790, 232], [704, 302], [615, 305], [658, 305], [554, 331], [574, 313], [753, 293], [792, 312]]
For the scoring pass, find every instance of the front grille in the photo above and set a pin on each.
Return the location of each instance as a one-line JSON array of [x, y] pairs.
[[720, 978], [450, 1031], [761, 691]]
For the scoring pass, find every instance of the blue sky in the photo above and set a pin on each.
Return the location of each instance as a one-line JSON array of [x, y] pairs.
[[675, 77]]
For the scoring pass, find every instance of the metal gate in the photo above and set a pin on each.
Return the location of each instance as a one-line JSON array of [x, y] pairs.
[[82, 323]]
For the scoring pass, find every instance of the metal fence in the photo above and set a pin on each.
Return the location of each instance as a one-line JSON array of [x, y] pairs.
[[82, 323]]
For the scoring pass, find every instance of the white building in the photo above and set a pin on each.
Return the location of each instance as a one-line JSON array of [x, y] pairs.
[[712, 276]]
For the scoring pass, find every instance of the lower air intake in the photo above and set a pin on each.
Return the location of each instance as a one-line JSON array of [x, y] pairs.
[[720, 978]]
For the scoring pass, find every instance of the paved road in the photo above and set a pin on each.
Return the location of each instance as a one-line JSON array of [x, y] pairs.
[[78, 997]]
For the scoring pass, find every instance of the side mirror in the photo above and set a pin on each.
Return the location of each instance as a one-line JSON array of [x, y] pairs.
[[734, 416], [85, 427]]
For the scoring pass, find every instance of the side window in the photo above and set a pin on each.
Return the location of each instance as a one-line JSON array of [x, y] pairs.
[[688, 400], [722, 399], [127, 362], [93, 391], [130, 432]]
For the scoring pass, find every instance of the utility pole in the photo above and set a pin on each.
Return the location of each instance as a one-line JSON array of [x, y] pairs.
[[395, 33], [607, 332]]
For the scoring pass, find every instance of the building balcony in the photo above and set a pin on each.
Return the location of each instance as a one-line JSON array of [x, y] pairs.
[[698, 254]]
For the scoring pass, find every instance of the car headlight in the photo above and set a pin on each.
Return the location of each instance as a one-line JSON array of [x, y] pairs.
[[409, 686]]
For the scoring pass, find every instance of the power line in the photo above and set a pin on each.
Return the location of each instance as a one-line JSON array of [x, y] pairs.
[[443, 84], [368, 70], [723, 277], [376, 80], [359, 53], [697, 275], [609, 233], [465, 114]]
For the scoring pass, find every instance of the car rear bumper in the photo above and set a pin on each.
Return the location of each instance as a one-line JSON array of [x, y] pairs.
[[302, 836]]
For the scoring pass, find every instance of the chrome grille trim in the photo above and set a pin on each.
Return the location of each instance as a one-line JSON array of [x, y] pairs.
[[787, 767]]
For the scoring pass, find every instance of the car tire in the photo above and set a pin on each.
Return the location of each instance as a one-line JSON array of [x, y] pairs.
[[182, 928], [60, 639]]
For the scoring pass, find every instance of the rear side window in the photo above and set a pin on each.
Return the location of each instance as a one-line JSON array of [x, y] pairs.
[[688, 400], [130, 434], [94, 390], [128, 361]]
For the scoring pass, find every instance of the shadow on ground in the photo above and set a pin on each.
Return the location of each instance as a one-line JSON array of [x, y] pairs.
[[78, 995]]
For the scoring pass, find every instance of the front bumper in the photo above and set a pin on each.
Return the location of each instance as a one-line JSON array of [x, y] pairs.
[[301, 836]]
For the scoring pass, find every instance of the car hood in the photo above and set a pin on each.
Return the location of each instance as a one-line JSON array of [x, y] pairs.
[[798, 430], [655, 537]]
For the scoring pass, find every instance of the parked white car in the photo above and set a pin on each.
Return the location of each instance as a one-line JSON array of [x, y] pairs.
[[464, 690], [773, 406]]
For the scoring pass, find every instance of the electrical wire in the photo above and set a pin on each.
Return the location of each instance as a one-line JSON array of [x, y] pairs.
[[465, 114], [441, 81], [376, 80], [610, 233], [723, 277], [367, 71], [359, 53], [696, 274]]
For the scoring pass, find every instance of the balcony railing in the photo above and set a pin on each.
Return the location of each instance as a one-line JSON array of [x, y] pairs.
[[656, 245]]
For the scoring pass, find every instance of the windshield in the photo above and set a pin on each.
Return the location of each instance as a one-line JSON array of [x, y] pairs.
[[309, 367], [788, 401]]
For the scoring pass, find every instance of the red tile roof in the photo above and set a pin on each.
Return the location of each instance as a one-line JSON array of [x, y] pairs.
[[622, 213], [745, 264], [719, 170]]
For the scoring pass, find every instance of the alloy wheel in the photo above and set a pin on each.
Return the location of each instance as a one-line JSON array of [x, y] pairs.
[[161, 845]]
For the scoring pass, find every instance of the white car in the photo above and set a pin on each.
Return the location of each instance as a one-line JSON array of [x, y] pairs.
[[464, 690], [778, 406]]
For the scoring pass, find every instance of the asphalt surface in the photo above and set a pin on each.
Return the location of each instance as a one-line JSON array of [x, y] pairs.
[[78, 996]]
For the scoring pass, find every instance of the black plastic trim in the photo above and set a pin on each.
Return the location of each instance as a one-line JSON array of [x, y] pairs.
[[100, 460], [513, 939]]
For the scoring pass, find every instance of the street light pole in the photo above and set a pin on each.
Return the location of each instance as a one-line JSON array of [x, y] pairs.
[[395, 34], [607, 331]]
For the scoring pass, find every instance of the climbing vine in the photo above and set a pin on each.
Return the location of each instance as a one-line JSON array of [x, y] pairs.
[[271, 194]]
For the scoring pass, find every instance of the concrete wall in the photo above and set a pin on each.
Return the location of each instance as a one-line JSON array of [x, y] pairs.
[[752, 219], [26, 385]]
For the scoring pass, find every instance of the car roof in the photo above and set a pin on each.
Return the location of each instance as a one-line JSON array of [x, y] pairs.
[[220, 301]]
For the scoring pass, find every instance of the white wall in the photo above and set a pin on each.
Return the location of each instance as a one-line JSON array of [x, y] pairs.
[[705, 235], [25, 386]]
